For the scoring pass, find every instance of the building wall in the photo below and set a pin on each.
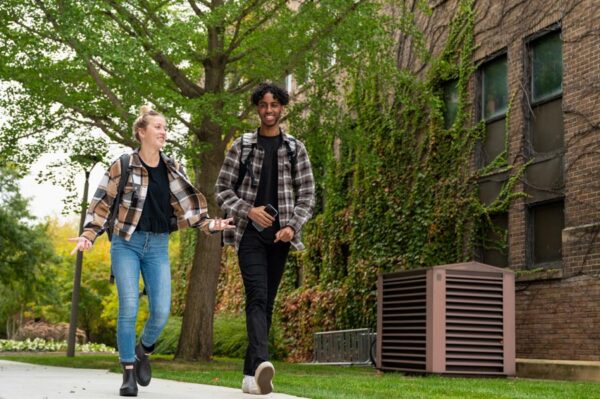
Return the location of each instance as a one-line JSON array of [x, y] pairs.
[[558, 310]]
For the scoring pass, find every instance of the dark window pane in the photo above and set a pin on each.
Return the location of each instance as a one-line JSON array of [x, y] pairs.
[[495, 251], [495, 88], [547, 67], [544, 179], [548, 223], [490, 187], [494, 142], [547, 133], [450, 103]]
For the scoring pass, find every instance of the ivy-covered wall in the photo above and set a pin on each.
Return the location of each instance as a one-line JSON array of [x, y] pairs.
[[397, 189]]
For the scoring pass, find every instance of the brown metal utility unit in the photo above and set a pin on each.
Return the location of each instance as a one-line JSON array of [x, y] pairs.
[[449, 319]]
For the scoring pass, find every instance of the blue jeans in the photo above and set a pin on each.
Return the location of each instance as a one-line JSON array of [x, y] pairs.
[[147, 253]]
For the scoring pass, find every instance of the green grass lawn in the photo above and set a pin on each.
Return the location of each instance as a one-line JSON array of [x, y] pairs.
[[325, 382]]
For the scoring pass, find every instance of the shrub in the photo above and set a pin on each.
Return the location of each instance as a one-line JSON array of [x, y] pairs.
[[41, 345], [47, 331], [229, 339], [167, 342]]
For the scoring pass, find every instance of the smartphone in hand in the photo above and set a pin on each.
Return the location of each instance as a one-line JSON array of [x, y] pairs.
[[270, 209]]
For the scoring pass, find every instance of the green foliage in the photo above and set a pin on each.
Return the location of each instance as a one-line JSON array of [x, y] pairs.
[[229, 337], [26, 254], [41, 345], [196, 64], [169, 338], [399, 190], [71, 71]]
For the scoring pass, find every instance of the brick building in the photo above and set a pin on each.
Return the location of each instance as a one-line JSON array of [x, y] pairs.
[[539, 62]]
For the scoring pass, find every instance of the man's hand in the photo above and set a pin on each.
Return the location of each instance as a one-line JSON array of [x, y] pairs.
[[83, 244], [285, 235], [260, 217]]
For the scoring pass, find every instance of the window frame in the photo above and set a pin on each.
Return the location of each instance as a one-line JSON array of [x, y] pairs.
[[443, 86], [530, 44], [480, 250], [478, 103], [528, 103], [480, 82], [530, 236], [528, 109]]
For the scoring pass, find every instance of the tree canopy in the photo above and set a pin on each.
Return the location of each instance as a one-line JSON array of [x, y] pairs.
[[70, 68]]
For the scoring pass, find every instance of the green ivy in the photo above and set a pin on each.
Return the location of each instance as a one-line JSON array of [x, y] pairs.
[[400, 192]]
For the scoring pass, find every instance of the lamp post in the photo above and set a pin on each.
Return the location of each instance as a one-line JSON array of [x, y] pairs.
[[78, 263]]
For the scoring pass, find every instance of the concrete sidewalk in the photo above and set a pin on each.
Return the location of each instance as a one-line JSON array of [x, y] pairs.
[[29, 381]]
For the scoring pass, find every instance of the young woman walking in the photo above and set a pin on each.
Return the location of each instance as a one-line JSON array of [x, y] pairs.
[[156, 200]]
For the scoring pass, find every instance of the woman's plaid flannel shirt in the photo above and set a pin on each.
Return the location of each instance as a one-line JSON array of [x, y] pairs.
[[189, 205]]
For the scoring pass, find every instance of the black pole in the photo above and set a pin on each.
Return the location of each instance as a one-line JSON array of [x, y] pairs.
[[77, 276]]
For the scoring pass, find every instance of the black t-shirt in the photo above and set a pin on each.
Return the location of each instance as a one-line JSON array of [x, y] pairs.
[[269, 179], [157, 210]]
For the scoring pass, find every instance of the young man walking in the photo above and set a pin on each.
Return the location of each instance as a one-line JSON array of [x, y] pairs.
[[266, 184]]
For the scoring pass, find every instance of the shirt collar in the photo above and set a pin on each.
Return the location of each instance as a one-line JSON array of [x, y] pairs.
[[254, 137], [137, 162]]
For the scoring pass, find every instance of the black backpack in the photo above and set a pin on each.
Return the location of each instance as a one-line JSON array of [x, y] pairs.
[[114, 209]]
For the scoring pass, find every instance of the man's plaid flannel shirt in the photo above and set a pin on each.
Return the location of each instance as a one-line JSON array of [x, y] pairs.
[[189, 205], [296, 199]]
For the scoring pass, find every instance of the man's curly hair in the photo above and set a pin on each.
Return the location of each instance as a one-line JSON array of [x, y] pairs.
[[279, 93]]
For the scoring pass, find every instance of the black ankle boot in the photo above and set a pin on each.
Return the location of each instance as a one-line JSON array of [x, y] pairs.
[[129, 387], [143, 372]]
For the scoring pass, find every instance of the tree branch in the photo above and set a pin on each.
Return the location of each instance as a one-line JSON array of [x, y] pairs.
[[186, 86], [295, 58], [238, 39], [197, 9], [112, 97]]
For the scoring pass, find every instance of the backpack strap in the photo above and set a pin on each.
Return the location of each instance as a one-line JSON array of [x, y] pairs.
[[246, 157], [114, 209], [292, 154]]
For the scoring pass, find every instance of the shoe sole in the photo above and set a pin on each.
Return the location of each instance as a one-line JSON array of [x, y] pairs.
[[264, 377], [127, 393]]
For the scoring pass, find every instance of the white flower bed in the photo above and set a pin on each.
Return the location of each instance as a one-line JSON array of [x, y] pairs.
[[41, 345]]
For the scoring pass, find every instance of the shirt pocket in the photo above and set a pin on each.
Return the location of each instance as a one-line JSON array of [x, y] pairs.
[[129, 194]]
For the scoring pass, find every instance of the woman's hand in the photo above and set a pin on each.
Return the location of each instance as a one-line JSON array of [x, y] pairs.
[[221, 224], [83, 244]]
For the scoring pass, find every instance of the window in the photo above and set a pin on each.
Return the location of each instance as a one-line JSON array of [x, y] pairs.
[[544, 178], [494, 104], [450, 91], [546, 222], [546, 62], [493, 108], [490, 187], [494, 246], [546, 122], [495, 88]]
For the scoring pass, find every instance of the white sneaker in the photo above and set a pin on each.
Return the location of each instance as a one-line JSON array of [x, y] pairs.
[[264, 377], [249, 385]]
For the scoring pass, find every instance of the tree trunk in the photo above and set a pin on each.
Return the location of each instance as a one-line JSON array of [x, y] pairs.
[[196, 339]]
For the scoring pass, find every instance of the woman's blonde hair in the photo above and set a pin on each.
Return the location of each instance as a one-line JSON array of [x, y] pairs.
[[142, 120]]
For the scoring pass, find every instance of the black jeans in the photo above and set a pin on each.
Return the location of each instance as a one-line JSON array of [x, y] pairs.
[[261, 263]]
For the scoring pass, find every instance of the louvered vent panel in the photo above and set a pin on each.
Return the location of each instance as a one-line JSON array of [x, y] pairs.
[[404, 313], [474, 322]]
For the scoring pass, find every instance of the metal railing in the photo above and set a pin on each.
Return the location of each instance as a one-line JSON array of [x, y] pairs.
[[355, 346]]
